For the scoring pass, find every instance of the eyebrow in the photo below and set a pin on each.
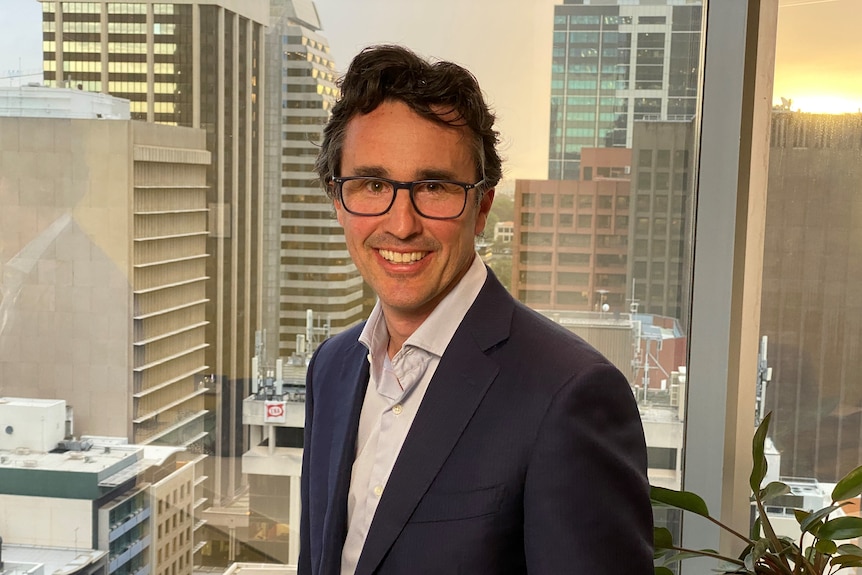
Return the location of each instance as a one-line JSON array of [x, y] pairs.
[[371, 171], [436, 174], [423, 174]]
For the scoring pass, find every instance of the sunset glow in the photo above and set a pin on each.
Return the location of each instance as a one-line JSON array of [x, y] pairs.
[[822, 103]]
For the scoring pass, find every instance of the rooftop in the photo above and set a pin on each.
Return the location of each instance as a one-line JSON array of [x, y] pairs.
[[93, 461], [29, 402], [56, 560]]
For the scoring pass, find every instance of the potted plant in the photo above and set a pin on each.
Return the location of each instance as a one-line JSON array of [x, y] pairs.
[[818, 551]]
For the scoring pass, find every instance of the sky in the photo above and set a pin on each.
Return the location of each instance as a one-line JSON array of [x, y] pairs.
[[507, 45]]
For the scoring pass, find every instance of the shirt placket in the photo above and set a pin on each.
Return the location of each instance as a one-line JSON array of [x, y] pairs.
[[398, 380]]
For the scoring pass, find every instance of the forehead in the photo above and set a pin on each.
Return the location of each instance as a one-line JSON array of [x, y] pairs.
[[394, 138]]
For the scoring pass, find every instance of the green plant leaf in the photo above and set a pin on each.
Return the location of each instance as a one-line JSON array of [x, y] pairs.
[[849, 486], [847, 561], [760, 549], [684, 500], [801, 515], [850, 549], [758, 468], [755, 529], [663, 571], [662, 538], [749, 562], [841, 528], [728, 568], [774, 489], [826, 547], [813, 519]]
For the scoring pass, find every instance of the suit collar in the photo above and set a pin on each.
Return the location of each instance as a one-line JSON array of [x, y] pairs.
[[462, 378]]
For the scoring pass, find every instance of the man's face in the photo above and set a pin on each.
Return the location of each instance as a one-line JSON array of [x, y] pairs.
[[410, 261]]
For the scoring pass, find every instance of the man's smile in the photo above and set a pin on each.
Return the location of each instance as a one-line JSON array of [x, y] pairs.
[[401, 257]]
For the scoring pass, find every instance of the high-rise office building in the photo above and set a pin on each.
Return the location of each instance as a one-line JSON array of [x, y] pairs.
[[615, 63], [811, 311], [196, 64], [308, 265], [659, 222]]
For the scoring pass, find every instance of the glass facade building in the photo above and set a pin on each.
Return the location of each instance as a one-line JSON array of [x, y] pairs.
[[615, 64]]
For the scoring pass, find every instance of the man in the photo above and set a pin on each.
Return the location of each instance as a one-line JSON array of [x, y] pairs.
[[456, 431]]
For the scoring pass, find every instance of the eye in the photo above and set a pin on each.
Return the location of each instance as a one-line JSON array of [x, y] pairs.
[[375, 186], [432, 187]]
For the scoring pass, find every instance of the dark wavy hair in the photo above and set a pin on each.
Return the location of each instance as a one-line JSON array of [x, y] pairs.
[[442, 92]]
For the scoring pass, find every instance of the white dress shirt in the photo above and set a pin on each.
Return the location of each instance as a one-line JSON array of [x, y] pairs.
[[395, 390]]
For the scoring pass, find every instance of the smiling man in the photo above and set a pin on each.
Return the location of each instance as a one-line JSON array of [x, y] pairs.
[[456, 431]]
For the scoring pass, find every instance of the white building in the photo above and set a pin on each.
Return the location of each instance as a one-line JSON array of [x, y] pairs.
[[504, 232], [35, 101], [137, 505]]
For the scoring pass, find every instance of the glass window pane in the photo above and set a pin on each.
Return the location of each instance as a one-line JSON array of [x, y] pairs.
[[170, 290]]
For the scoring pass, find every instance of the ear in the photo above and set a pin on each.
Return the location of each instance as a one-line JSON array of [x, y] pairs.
[[484, 208]]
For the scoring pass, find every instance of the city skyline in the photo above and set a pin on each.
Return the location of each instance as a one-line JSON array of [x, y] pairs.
[[807, 73]]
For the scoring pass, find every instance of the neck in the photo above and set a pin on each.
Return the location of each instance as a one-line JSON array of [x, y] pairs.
[[399, 330]]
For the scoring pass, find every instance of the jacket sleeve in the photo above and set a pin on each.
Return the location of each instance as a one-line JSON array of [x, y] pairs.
[[586, 496]]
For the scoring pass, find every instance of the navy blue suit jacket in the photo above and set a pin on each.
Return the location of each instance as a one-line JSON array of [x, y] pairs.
[[527, 455]]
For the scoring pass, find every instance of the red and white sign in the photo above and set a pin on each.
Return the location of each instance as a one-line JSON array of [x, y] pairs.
[[275, 412]]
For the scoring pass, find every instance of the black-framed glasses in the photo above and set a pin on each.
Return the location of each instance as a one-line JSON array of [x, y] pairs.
[[433, 199]]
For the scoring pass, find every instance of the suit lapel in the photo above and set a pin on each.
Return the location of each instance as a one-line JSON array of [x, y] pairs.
[[462, 378], [354, 374]]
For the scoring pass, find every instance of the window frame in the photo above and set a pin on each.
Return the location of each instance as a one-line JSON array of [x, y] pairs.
[[731, 170]]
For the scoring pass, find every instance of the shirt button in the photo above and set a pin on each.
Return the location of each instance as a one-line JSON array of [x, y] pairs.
[[378, 490], [397, 409]]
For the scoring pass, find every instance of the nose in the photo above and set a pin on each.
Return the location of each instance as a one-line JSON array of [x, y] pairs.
[[402, 219]]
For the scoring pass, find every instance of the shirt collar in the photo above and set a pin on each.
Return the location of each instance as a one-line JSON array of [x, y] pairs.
[[437, 330]]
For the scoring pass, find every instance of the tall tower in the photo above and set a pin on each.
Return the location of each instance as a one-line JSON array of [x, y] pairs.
[[197, 64], [308, 267], [614, 64], [661, 198], [811, 310]]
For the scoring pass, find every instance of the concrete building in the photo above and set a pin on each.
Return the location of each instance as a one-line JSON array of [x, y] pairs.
[[810, 308], [614, 63], [308, 265], [274, 464], [264, 526], [103, 230], [569, 249], [662, 195], [195, 64]]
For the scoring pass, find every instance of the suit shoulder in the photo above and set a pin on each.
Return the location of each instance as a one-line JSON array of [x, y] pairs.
[[342, 341], [547, 342]]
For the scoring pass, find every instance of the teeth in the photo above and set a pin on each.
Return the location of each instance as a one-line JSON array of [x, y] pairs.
[[402, 258]]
